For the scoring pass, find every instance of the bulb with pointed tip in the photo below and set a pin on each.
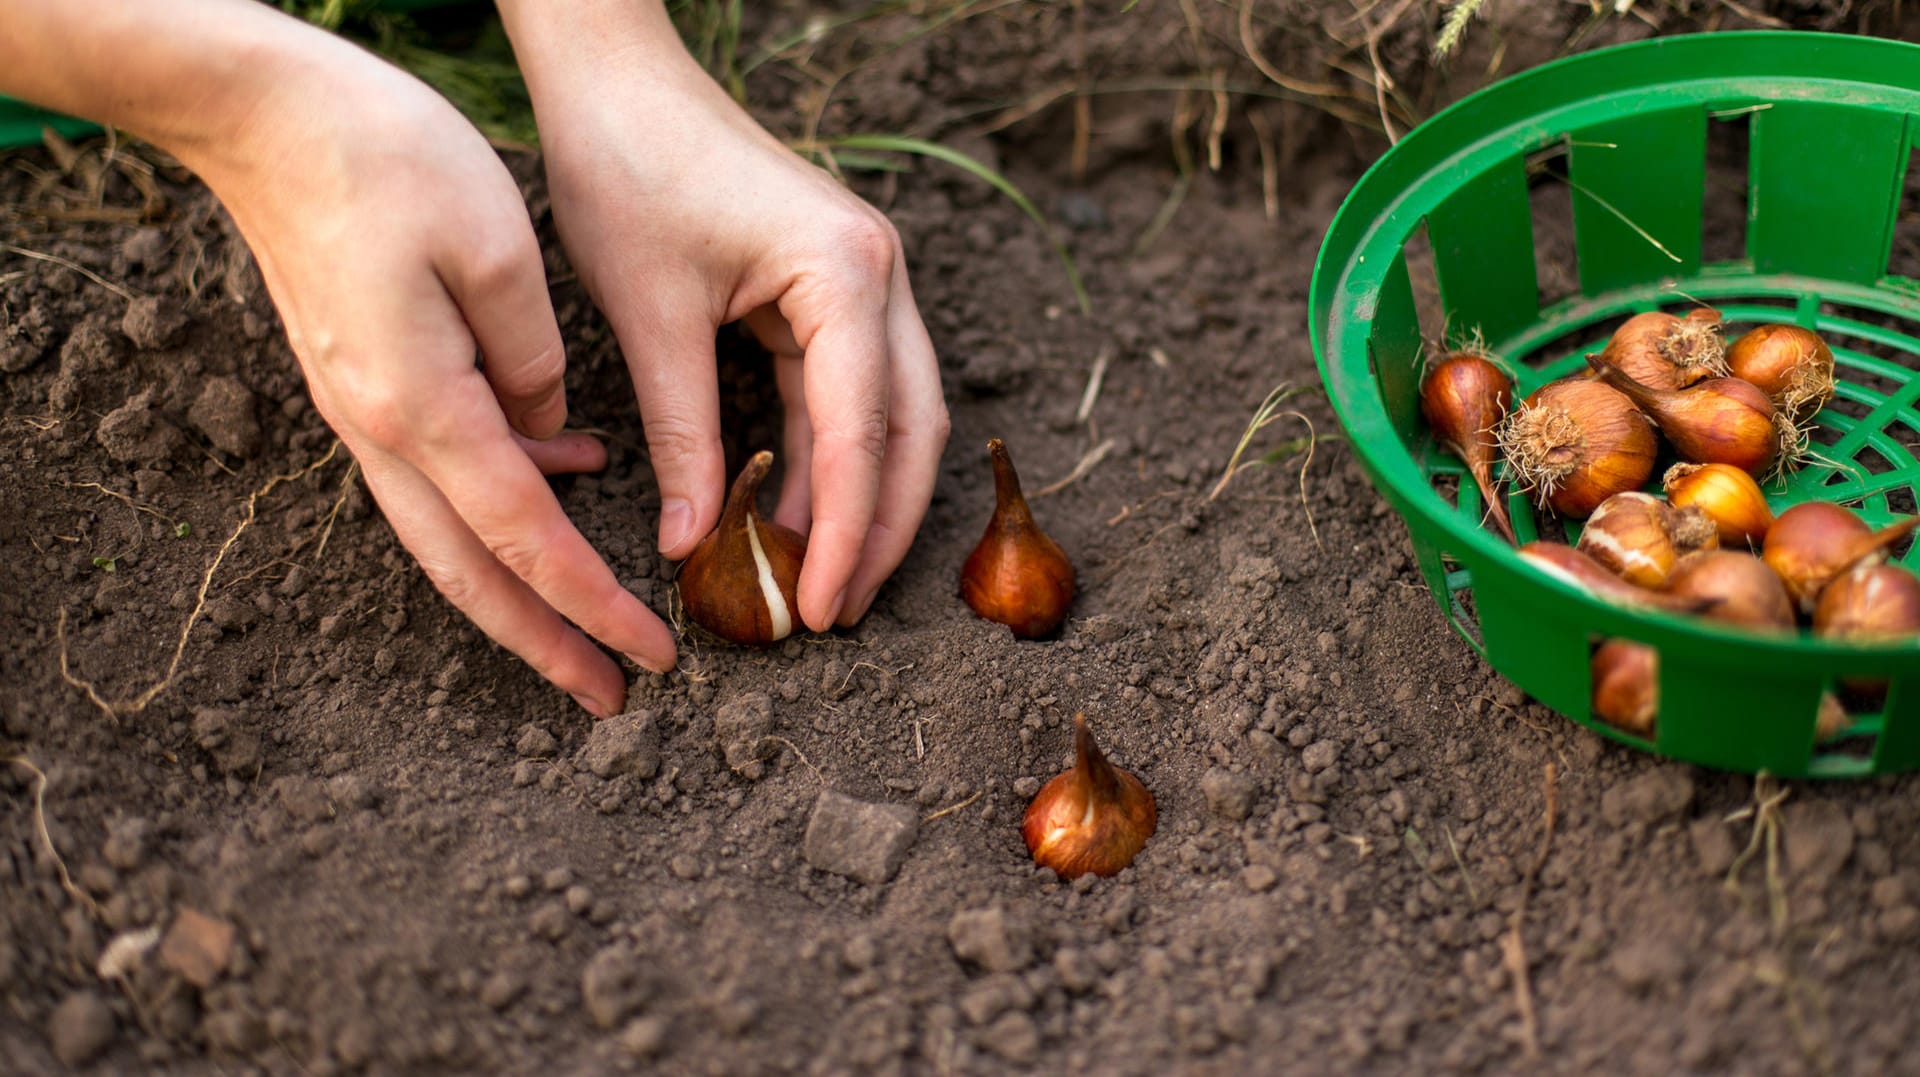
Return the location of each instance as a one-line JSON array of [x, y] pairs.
[[1094, 818], [1016, 576], [739, 582], [1812, 543]]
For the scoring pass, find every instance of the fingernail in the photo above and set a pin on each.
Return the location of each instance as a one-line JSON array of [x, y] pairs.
[[649, 666], [833, 611], [676, 520], [591, 706]]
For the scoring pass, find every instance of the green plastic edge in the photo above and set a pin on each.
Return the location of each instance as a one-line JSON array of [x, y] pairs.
[[1533, 111]]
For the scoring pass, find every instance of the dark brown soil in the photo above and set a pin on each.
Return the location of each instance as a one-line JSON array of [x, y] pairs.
[[424, 869]]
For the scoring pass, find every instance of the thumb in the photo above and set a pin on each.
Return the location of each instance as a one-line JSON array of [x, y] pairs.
[[668, 344], [504, 299]]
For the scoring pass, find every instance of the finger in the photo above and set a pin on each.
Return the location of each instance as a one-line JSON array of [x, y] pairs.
[[775, 335], [845, 377], [917, 431], [496, 489], [471, 578], [795, 507], [501, 291], [669, 350], [565, 453]]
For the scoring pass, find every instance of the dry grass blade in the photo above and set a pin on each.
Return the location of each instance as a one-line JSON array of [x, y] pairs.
[[115, 709], [1095, 379], [1263, 416], [1513, 949], [1087, 462], [41, 256]]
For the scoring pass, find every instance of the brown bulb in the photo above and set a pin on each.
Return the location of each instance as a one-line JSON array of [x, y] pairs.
[[1742, 589], [1016, 576], [1793, 366], [1716, 421], [1812, 543], [1640, 536], [1574, 443], [1464, 398], [1568, 564], [1725, 493], [1626, 685], [1666, 351], [1871, 604], [739, 582], [1094, 818]]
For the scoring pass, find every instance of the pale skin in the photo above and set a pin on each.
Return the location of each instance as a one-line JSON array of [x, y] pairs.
[[396, 247]]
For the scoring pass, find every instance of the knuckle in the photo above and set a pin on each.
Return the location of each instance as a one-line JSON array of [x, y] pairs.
[[675, 441], [869, 242], [496, 262], [866, 435], [528, 555], [532, 375]]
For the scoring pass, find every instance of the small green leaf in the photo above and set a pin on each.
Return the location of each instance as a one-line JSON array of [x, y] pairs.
[[104, 564], [181, 529]]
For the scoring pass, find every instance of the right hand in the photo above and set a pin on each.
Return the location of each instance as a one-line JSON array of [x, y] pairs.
[[395, 244]]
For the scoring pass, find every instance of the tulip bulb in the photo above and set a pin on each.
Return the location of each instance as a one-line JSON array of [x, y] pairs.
[[1094, 818], [1872, 604], [1666, 351], [1743, 590], [1016, 575], [1574, 443], [1640, 536], [739, 582], [1572, 566], [1716, 421], [1793, 366], [1813, 543], [1727, 494], [1464, 398]]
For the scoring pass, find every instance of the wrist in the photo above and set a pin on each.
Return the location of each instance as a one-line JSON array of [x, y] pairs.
[[572, 48]]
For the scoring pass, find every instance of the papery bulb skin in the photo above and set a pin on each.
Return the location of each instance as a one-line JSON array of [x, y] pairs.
[[1626, 685], [1813, 543], [1640, 536], [1016, 575], [1464, 398], [1094, 818], [1873, 604], [1565, 563], [1792, 365], [1716, 421], [1667, 351], [1727, 494], [740, 582], [1743, 590], [1574, 443]]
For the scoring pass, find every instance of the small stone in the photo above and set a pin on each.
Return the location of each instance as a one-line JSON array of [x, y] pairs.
[[134, 433], [859, 839], [644, 1037], [1013, 1037], [229, 739], [1319, 755], [1648, 799], [304, 798], [623, 744], [686, 867], [1899, 924], [1259, 878], [550, 921], [517, 886], [994, 996], [614, 985], [1229, 795], [536, 743], [1077, 970], [152, 321], [501, 989], [579, 899], [1713, 845], [1642, 962], [740, 728], [1819, 840], [557, 879], [80, 1028], [198, 947], [991, 938]]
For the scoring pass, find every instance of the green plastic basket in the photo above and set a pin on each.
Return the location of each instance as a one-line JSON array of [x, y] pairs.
[[1832, 124]]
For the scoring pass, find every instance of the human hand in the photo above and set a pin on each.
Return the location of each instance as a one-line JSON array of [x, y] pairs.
[[681, 214], [395, 242]]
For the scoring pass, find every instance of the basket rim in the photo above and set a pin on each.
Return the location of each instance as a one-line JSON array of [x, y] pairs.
[[1449, 135]]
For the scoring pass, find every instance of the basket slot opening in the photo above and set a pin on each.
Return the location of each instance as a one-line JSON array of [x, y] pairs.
[[1556, 263], [1624, 687], [1723, 213], [1565, 353], [1904, 259]]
